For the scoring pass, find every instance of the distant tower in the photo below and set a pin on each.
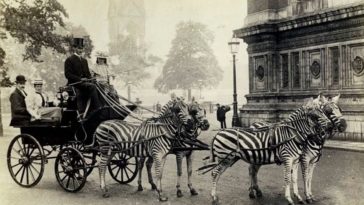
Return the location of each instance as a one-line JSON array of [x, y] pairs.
[[126, 18]]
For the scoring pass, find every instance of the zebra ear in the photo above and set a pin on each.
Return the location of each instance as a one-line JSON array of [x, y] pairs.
[[336, 99], [322, 99]]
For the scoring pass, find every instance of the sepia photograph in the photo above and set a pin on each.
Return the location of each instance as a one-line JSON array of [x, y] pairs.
[[181, 102]]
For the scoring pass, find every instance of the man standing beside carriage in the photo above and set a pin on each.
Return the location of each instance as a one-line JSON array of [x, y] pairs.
[[78, 75]]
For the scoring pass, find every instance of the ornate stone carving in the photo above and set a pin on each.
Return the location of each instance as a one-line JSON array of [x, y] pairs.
[[259, 72], [357, 66], [315, 69]]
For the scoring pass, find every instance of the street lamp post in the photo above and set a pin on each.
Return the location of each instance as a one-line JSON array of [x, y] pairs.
[[234, 45]]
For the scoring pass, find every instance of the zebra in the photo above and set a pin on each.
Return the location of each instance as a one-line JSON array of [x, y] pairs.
[[146, 140], [313, 150], [201, 123], [281, 142]]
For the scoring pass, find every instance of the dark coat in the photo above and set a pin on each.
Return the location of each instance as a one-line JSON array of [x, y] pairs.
[[76, 68], [221, 112], [19, 114]]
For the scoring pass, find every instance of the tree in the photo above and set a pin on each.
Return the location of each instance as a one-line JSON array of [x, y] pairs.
[[131, 63], [33, 23], [191, 62]]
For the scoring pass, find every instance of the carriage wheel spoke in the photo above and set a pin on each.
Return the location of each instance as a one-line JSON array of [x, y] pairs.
[[63, 178], [30, 154], [121, 175], [127, 175], [68, 180], [31, 165], [16, 174], [17, 151], [129, 169], [15, 165], [115, 166], [31, 173], [22, 176], [27, 174], [117, 172], [19, 145]]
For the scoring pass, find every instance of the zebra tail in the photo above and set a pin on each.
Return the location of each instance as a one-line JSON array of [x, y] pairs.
[[209, 161], [206, 168]]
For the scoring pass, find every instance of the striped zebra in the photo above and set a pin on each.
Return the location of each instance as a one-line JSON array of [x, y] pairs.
[[281, 142], [153, 140], [312, 150], [201, 123]]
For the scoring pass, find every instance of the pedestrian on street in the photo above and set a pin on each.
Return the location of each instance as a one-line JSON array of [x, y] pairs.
[[220, 114]]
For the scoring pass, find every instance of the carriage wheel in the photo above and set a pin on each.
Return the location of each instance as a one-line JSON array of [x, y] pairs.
[[70, 169], [123, 168], [89, 156], [25, 160]]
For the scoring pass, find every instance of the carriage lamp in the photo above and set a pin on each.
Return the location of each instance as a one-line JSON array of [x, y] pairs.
[[65, 95], [234, 46]]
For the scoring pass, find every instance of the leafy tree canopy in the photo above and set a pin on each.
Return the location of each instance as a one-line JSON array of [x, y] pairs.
[[33, 23], [191, 62]]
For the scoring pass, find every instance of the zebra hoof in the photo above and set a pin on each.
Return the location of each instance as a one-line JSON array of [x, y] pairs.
[[193, 192], [215, 201], [301, 202], [179, 194], [106, 195], [140, 188], [251, 195], [309, 201], [163, 198], [259, 194], [154, 187]]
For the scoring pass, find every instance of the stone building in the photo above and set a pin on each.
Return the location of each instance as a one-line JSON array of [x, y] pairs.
[[300, 48]]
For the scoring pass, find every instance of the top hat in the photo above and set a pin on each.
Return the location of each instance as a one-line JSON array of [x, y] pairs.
[[38, 82], [20, 79], [101, 61], [78, 42]]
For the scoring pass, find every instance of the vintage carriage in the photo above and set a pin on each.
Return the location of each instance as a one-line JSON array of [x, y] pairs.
[[73, 140], [39, 141]]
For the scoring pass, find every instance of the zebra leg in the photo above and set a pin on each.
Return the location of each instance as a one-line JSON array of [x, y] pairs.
[[295, 184], [288, 164], [310, 198], [179, 158], [216, 173], [305, 163], [159, 162], [105, 157], [253, 172], [189, 159], [140, 170], [149, 165]]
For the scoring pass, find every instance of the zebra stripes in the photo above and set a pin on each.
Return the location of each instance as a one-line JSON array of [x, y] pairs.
[[146, 140], [281, 142], [200, 122]]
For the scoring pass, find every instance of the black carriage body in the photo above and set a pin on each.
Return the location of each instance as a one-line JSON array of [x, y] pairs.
[[50, 135]]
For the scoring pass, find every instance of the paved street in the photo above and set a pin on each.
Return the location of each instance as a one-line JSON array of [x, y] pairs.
[[338, 180]]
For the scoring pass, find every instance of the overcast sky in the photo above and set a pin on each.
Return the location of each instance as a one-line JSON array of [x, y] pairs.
[[221, 16]]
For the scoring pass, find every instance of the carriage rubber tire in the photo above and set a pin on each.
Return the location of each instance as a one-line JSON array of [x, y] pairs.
[[120, 165], [30, 152], [70, 162]]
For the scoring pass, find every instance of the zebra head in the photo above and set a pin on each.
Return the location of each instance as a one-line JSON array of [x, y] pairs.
[[179, 111], [333, 112], [199, 117]]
